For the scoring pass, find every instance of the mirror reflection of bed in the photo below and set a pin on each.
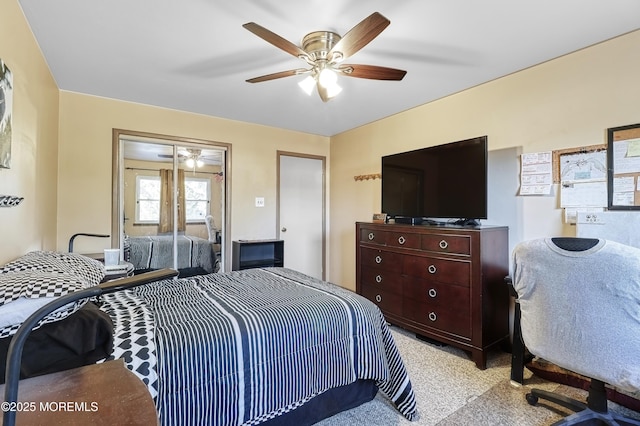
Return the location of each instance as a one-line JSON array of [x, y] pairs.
[[172, 206]]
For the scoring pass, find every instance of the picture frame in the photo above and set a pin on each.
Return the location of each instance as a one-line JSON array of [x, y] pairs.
[[6, 105], [379, 218], [623, 167]]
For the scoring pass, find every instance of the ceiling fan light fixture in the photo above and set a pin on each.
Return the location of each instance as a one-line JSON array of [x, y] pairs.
[[199, 163], [324, 52], [189, 162], [333, 90], [327, 78], [308, 84]]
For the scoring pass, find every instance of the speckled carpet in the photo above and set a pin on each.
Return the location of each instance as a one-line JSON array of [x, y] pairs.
[[451, 391]]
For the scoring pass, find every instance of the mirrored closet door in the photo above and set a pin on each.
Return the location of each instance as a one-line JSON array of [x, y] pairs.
[[170, 206]]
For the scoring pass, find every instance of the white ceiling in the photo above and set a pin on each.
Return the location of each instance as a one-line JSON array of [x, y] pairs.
[[194, 55]]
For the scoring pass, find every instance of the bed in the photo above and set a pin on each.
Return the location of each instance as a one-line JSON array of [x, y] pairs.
[[156, 252], [258, 346]]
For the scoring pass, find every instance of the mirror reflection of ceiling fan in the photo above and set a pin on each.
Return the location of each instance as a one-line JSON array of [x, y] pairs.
[[324, 52], [192, 157]]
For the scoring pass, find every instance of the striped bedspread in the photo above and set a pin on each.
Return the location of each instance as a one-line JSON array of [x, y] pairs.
[[156, 252], [243, 347]]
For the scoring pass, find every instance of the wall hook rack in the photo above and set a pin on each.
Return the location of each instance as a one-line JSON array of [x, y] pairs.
[[10, 200], [367, 177]]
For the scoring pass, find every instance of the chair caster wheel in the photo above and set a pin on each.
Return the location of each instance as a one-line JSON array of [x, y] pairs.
[[531, 399]]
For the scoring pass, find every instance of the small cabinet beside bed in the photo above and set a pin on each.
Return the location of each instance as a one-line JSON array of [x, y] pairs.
[[445, 283], [249, 254]]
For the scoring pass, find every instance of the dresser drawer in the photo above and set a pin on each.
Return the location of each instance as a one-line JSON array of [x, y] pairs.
[[447, 320], [403, 239], [452, 297], [373, 236], [386, 301], [391, 262], [448, 271], [382, 279], [442, 243]]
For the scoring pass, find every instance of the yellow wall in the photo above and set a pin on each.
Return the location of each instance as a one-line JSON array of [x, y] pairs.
[[34, 151], [84, 192], [62, 144], [564, 103]]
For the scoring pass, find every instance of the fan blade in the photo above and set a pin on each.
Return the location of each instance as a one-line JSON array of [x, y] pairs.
[[277, 75], [372, 72], [360, 35], [276, 40]]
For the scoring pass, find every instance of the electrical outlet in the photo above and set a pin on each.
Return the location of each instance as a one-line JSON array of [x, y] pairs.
[[594, 218], [259, 201]]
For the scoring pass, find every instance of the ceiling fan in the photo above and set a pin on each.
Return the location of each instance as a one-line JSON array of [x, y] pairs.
[[192, 157], [324, 52]]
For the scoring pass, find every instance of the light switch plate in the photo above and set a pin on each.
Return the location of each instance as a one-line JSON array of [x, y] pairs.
[[259, 201]]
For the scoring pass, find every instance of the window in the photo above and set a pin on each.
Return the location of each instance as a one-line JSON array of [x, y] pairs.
[[197, 198], [148, 199]]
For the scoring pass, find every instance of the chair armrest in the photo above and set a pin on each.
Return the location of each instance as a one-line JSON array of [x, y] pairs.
[[519, 353], [509, 282]]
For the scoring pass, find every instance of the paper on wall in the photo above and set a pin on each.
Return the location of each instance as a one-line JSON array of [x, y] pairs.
[[536, 173], [583, 179]]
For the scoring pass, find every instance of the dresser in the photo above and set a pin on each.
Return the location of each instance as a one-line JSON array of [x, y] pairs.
[[445, 283]]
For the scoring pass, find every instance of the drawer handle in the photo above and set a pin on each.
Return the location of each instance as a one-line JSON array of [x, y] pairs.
[[378, 278], [371, 236], [443, 244], [378, 298], [378, 259], [432, 269], [401, 240], [432, 292], [432, 316]]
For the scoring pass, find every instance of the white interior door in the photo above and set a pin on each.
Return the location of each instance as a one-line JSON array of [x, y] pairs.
[[301, 212]]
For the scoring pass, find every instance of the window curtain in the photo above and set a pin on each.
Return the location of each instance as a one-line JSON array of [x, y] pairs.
[[166, 201]]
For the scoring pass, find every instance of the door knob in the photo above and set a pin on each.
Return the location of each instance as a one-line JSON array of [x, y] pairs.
[[283, 229]]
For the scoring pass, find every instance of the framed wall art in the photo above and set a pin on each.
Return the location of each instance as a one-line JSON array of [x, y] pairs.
[[6, 102]]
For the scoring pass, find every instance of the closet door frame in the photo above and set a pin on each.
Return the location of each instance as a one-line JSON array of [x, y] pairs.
[[117, 195]]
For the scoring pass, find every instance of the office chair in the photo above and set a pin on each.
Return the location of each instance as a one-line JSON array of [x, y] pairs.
[[578, 307]]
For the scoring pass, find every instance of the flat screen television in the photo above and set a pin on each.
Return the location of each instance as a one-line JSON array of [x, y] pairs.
[[440, 182]]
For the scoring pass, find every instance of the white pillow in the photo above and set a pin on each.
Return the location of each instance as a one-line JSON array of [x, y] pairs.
[[20, 309]]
